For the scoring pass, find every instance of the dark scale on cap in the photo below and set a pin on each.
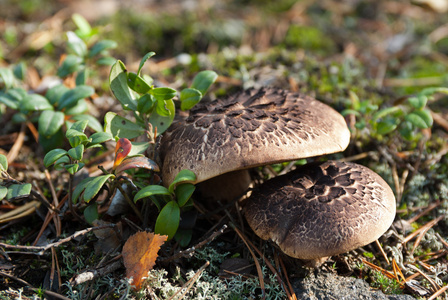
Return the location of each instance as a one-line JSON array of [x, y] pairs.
[[265, 126], [322, 209]]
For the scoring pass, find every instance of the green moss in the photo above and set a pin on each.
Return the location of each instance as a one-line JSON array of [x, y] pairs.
[[308, 38]]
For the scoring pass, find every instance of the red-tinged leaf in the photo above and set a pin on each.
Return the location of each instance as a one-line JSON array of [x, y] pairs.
[[140, 254], [122, 149], [140, 162]]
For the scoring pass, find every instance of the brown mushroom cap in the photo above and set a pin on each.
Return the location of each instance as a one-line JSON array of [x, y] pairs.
[[322, 209], [249, 129]]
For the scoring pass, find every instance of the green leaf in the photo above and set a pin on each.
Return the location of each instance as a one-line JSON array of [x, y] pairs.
[[420, 118], [163, 93], [106, 61], [75, 137], [71, 97], [347, 112], [189, 98], [94, 186], [9, 101], [72, 168], [3, 163], [82, 76], [101, 46], [118, 81], [386, 111], [146, 103], [80, 188], [76, 44], [203, 80], [35, 102], [50, 122], [16, 190], [418, 102], [79, 108], [19, 71], [386, 126], [144, 59], [52, 142], [6, 77], [151, 190], [183, 193], [77, 152], [183, 176], [138, 84], [52, 156], [163, 122], [71, 64], [121, 127], [168, 220], [183, 236], [93, 122], [3, 192], [84, 28], [99, 137], [139, 148], [79, 125], [91, 213], [55, 93]]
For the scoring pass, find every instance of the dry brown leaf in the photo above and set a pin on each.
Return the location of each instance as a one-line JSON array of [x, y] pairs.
[[140, 253]]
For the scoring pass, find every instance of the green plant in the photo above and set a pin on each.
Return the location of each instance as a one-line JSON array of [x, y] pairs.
[[10, 190], [154, 110], [407, 117], [60, 104]]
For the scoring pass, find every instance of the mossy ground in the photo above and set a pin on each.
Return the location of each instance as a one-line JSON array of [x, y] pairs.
[[376, 52]]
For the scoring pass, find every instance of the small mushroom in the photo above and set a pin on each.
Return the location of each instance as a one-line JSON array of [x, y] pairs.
[[249, 129], [322, 209]]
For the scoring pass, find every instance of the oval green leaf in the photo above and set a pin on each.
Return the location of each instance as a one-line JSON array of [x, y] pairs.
[[92, 121], [94, 186], [203, 80], [52, 156], [35, 102], [420, 118], [3, 163], [118, 81], [101, 46], [144, 59], [55, 93], [50, 122], [189, 98], [184, 176], [71, 97], [71, 64], [99, 137], [91, 213], [137, 83], [77, 152], [121, 127], [183, 193], [76, 44], [6, 77], [16, 190], [3, 192], [168, 220], [163, 93], [163, 122], [151, 190]]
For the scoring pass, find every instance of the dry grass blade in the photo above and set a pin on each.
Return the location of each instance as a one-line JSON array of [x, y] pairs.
[[187, 286], [424, 227], [20, 212], [397, 271], [257, 264], [438, 293], [434, 285], [14, 151], [379, 269], [382, 251], [423, 213]]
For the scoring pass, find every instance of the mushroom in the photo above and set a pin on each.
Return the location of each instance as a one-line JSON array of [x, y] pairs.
[[252, 128], [322, 209]]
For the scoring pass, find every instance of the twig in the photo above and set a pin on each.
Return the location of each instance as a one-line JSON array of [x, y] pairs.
[[438, 293], [187, 286], [93, 274], [425, 227], [190, 251], [42, 249], [382, 251], [257, 264]]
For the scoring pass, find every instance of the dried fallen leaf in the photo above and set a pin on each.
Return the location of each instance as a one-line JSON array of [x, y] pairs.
[[140, 253]]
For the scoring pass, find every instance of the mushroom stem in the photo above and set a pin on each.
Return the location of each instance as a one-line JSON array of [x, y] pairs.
[[225, 187]]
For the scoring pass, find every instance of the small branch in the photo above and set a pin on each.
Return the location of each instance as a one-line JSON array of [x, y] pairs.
[[190, 251], [42, 249]]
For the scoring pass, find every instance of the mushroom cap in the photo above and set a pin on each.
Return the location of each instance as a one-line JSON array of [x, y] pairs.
[[251, 128], [322, 209]]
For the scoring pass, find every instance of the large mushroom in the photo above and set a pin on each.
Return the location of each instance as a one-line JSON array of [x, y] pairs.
[[252, 128], [322, 209]]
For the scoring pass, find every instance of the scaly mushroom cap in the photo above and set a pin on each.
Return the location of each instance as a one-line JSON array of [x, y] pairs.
[[321, 210], [249, 129]]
